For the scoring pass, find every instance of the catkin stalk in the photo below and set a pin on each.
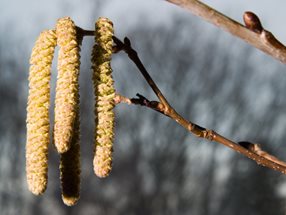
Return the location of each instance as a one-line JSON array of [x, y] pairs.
[[104, 94], [38, 112], [66, 101]]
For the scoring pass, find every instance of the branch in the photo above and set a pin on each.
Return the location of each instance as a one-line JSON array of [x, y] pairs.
[[252, 151], [132, 54], [83, 32], [261, 157], [253, 33]]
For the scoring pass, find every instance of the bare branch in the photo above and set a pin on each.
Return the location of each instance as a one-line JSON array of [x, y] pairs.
[[253, 33], [84, 32], [132, 54], [140, 100], [256, 148], [264, 159]]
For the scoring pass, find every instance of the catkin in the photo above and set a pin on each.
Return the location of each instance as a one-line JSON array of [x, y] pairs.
[[70, 162], [104, 94], [66, 101], [38, 112], [70, 169]]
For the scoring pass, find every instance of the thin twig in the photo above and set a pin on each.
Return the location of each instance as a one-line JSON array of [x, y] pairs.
[[263, 40], [261, 157], [140, 100], [132, 54], [84, 32], [168, 110]]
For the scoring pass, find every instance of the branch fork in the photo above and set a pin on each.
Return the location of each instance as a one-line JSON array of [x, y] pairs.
[[253, 33], [252, 151]]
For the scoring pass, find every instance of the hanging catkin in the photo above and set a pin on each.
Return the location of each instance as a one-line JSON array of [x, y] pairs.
[[66, 102], [38, 112], [70, 168], [70, 161], [104, 94]]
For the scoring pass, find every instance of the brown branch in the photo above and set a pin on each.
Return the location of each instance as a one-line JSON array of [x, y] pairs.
[[252, 33], [166, 109], [256, 148], [132, 54], [140, 100], [255, 153], [84, 32]]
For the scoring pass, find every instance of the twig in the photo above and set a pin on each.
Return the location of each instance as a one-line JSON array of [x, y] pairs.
[[84, 32], [261, 39], [132, 54], [256, 148], [261, 157], [141, 100], [166, 109]]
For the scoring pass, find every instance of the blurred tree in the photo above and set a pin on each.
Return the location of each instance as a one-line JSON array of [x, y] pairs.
[[250, 190], [158, 167]]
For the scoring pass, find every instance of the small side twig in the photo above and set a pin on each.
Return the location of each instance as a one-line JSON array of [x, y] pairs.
[[84, 32], [140, 100], [132, 54], [259, 38], [264, 159]]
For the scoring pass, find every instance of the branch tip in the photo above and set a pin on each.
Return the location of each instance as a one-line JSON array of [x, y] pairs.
[[260, 40]]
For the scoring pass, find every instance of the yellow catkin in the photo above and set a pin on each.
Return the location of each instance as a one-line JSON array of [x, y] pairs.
[[38, 112], [70, 169], [104, 93], [67, 83]]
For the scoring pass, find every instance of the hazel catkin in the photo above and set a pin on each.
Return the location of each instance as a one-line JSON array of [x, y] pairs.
[[104, 94], [66, 101], [70, 168], [38, 125]]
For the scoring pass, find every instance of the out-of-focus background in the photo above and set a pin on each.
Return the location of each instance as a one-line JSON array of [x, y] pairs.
[[209, 76]]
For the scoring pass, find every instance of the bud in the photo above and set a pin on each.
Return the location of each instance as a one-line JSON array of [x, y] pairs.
[[252, 22], [104, 94], [38, 125]]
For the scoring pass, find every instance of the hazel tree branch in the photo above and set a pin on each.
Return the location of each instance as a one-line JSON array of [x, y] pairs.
[[253, 32], [132, 54], [250, 150]]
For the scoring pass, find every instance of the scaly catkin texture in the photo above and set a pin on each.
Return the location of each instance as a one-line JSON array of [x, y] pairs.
[[38, 112], [70, 168], [67, 88], [104, 94], [70, 163]]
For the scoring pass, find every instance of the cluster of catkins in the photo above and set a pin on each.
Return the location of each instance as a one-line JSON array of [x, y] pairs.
[[66, 132]]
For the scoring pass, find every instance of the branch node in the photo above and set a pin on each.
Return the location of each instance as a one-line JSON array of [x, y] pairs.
[[208, 134]]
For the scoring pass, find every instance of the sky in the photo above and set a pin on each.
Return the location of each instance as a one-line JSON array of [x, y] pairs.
[[29, 16]]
